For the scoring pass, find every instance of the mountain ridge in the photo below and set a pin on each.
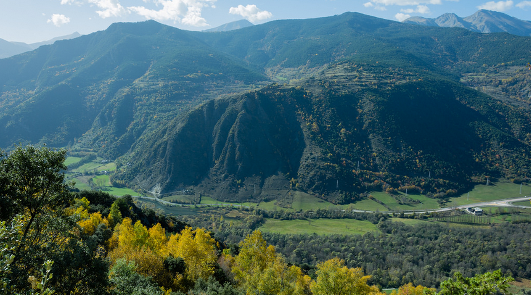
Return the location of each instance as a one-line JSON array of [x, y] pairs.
[[8, 49], [334, 106], [483, 21], [235, 25]]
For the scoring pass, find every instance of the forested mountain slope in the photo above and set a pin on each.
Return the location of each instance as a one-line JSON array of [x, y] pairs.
[[338, 134], [58, 92], [360, 103]]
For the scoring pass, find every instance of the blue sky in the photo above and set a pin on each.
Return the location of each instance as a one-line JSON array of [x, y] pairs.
[[38, 20]]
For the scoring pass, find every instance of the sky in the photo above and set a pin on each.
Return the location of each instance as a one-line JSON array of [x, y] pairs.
[[33, 21]]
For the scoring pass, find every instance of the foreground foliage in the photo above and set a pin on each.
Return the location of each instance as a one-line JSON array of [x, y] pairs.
[[66, 245]]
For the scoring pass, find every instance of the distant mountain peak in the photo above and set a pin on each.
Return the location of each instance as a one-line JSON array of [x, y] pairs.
[[483, 21], [239, 24], [8, 49]]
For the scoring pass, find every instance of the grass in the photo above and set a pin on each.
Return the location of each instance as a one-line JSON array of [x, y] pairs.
[[211, 201], [120, 191], [392, 203], [91, 166], [494, 191], [522, 203], [304, 201], [111, 167], [408, 221], [271, 206], [81, 185], [72, 160], [319, 226], [480, 193], [369, 205], [301, 201], [426, 203], [103, 179]]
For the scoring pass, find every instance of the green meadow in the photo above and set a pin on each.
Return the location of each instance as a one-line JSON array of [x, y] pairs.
[[72, 160], [318, 226], [491, 192]]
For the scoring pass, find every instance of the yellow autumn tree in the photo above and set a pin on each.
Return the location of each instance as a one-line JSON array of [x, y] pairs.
[[259, 269], [90, 224], [197, 249], [144, 247], [87, 221], [334, 278], [409, 289]]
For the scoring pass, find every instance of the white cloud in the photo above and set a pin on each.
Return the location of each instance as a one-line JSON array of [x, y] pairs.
[[422, 9], [251, 12], [523, 4], [497, 6], [59, 20], [368, 4], [109, 8], [401, 17], [185, 11], [70, 2]]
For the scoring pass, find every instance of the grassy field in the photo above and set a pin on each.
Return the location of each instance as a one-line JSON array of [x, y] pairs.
[[409, 221], [72, 160], [304, 201], [480, 193], [80, 184], [111, 167], [319, 226], [301, 201], [120, 191], [426, 203], [496, 191], [103, 179], [523, 203], [369, 205], [392, 203], [210, 201]]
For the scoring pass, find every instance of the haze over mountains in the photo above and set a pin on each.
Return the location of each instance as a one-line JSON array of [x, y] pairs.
[[231, 26], [483, 21], [334, 106], [8, 49]]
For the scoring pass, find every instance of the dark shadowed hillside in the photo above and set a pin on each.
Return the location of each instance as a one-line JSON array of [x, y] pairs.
[[337, 135]]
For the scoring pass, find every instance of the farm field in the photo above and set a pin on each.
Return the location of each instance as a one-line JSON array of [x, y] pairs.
[[494, 191], [301, 201], [369, 205], [102, 181], [72, 160], [523, 203], [304, 201], [318, 226]]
